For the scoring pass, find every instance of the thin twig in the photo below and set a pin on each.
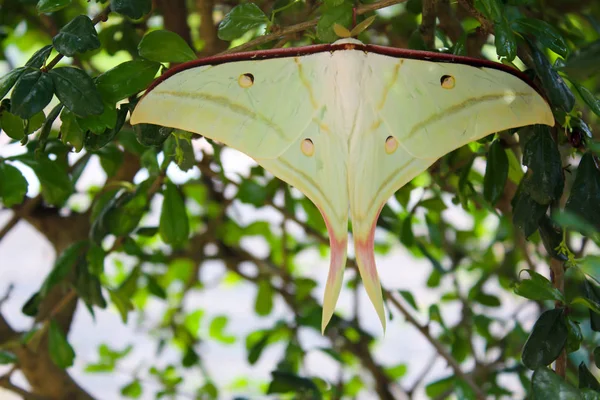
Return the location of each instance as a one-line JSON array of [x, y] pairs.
[[486, 25], [424, 329], [362, 9]]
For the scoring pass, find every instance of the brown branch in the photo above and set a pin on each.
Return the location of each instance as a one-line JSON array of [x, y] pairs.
[[424, 329], [557, 273], [208, 29], [427, 27], [362, 9], [449, 24], [486, 25], [175, 14]]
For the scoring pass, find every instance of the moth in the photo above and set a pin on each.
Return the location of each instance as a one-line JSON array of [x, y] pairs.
[[346, 123]]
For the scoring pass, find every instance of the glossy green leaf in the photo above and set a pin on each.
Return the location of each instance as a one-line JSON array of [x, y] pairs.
[[70, 131], [165, 46], [505, 39], [410, 299], [13, 185], [12, 125], [586, 379], [94, 142], [32, 92], [126, 79], [552, 235], [496, 172], [585, 191], [88, 285], [547, 339], [134, 9], [95, 258], [50, 6], [174, 226], [341, 15], [8, 81], [78, 36], [544, 180], [38, 59], [557, 90], [574, 337], [527, 213], [537, 287], [152, 135], [591, 301], [545, 384], [545, 33], [99, 124], [76, 90], [34, 123], [61, 352], [240, 20]]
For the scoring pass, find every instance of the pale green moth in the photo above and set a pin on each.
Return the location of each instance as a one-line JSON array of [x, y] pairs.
[[346, 123]]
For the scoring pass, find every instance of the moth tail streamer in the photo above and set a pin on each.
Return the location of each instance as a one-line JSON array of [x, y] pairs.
[[335, 278]]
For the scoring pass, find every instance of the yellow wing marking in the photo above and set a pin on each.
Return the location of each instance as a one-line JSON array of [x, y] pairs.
[[226, 103], [390, 84], [306, 83]]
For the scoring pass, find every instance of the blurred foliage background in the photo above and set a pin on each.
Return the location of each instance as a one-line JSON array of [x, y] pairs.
[[507, 224]]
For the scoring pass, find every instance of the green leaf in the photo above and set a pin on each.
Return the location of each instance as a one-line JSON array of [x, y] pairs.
[[574, 337], [61, 352], [544, 32], [552, 236], [76, 90], [286, 382], [409, 298], [12, 125], [122, 303], [7, 358], [174, 225], [96, 142], [98, 124], [584, 62], [165, 46], [216, 330], [545, 384], [255, 351], [527, 213], [496, 173], [547, 339], [544, 180], [597, 356], [538, 288], [63, 266], [34, 123], [88, 286], [78, 36], [13, 185], [558, 92], [133, 390], [587, 379], [95, 259], [31, 94], [50, 6], [505, 39], [585, 192], [588, 97], [55, 181], [264, 298], [341, 15], [8, 81], [240, 20], [38, 59], [70, 131], [152, 135], [126, 79], [591, 301], [251, 192], [494, 9], [134, 9]]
